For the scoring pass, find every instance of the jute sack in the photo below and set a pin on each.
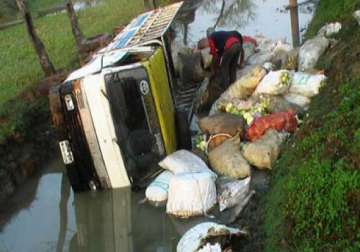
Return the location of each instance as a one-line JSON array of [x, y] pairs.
[[222, 123], [264, 152], [246, 85], [227, 160]]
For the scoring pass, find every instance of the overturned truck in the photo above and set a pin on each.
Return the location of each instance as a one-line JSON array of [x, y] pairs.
[[123, 111]]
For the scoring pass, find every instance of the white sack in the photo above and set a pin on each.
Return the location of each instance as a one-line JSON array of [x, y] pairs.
[[311, 51], [282, 46], [196, 238], [307, 84], [260, 58], [211, 248], [268, 66], [232, 193], [274, 83], [299, 100], [356, 15], [264, 43], [191, 194], [157, 191], [330, 29], [183, 161]]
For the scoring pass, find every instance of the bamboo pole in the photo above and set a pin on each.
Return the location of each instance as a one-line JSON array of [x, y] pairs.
[[294, 15]]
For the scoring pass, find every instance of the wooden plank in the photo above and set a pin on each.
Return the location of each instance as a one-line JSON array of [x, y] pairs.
[[104, 127]]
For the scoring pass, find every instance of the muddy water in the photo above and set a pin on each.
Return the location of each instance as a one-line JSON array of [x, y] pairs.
[[45, 215]]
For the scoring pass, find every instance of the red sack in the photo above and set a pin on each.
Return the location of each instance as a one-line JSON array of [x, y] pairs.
[[282, 121]]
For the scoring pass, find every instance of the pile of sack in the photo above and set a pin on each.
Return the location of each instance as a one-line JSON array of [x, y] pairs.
[[245, 128], [248, 123], [188, 187]]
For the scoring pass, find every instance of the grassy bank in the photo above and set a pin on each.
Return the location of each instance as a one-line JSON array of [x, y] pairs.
[[20, 71], [314, 203]]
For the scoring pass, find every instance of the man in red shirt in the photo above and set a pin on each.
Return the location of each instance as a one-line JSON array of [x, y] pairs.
[[226, 47]]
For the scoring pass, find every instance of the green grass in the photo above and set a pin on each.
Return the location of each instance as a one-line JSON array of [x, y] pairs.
[[330, 11], [310, 204], [314, 203], [20, 70], [36, 5]]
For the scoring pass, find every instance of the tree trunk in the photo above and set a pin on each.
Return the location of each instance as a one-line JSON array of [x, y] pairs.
[[44, 59], [79, 38], [185, 39], [150, 4], [147, 5], [156, 4], [221, 14]]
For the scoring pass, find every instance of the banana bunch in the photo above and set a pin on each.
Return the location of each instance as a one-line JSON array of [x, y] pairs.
[[249, 117], [231, 109], [258, 110], [285, 79], [201, 143], [291, 63]]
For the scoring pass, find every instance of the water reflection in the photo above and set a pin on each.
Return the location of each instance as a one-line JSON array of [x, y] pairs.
[[103, 222], [65, 195], [115, 221], [234, 13], [58, 220], [250, 17], [185, 17]]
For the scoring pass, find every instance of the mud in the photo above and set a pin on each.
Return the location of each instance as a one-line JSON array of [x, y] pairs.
[[23, 157]]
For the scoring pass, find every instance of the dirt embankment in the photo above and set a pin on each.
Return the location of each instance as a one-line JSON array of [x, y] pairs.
[[314, 200], [22, 156]]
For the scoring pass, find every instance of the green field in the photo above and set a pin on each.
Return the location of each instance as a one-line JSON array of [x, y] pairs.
[[19, 69], [314, 203]]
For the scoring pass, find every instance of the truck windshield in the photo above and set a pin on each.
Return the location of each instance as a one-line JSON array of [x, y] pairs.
[[133, 114]]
